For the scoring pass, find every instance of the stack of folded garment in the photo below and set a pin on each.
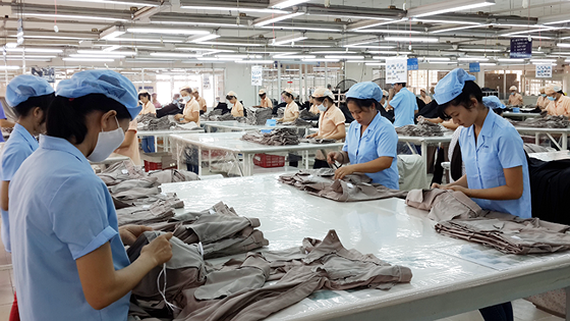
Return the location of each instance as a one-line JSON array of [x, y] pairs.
[[424, 128], [307, 115], [460, 217], [352, 188], [257, 286], [280, 112], [258, 116], [543, 122], [277, 137]]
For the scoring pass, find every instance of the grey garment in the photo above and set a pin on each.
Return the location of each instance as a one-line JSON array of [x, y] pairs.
[[280, 112], [258, 116], [509, 234], [314, 266], [169, 199], [186, 269], [127, 185], [299, 122], [142, 215], [533, 148], [216, 117], [424, 128], [277, 137], [543, 122], [242, 243], [317, 141], [352, 188], [210, 228], [305, 114], [443, 205], [119, 172], [173, 176]]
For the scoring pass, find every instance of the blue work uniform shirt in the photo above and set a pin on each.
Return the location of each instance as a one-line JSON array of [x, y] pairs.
[[405, 105], [378, 140], [2, 116], [498, 146], [60, 211], [19, 146]]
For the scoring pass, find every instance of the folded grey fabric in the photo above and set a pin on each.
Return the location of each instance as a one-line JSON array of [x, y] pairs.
[[258, 116], [424, 128], [277, 137], [443, 204], [543, 122]]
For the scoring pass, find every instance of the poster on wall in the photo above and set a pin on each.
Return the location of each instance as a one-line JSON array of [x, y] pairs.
[[256, 75], [396, 70], [521, 48], [544, 71], [206, 81]]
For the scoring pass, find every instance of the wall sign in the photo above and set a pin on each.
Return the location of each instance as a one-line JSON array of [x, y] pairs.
[[521, 48], [413, 64], [543, 71], [474, 67], [256, 75], [396, 70]]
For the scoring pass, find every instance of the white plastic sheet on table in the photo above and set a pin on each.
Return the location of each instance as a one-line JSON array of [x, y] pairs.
[[232, 144], [443, 283], [551, 156]]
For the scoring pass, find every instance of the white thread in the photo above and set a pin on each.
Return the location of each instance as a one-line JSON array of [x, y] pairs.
[[163, 291]]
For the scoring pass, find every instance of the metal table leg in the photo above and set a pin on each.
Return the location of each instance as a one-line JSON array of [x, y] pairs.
[[199, 160]]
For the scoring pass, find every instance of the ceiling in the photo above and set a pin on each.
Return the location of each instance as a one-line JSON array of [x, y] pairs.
[[148, 33]]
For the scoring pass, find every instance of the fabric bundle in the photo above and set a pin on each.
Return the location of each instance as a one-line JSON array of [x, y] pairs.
[[277, 137], [258, 116], [352, 188], [459, 217], [424, 128], [543, 122]]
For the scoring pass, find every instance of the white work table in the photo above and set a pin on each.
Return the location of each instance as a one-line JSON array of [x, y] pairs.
[[509, 114], [232, 143], [236, 126], [424, 142], [167, 133], [450, 276], [549, 132], [551, 156]]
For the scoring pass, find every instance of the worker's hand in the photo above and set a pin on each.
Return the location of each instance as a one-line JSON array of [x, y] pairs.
[[341, 172], [312, 135], [177, 117], [459, 188], [420, 118], [159, 250], [436, 185], [334, 156], [130, 233]]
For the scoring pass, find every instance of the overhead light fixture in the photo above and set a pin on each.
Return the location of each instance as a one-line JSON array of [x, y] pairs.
[[443, 59], [174, 55], [168, 31], [487, 64], [563, 45], [89, 59], [36, 50], [202, 38], [448, 6], [393, 31], [215, 59], [304, 28], [453, 22], [77, 17], [112, 32], [554, 19], [96, 56], [481, 50], [321, 60], [333, 52], [370, 47], [237, 44], [10, 67], [412, 39], [130, 39], [98, 52], [370, 23], [543, 61], [384, 52], [31, 57], [56, 37], [263, 21], [472, 59], [254, 61], [239, 56], [240, 9], [458, 28], [358, 61], [344, 57], [292, 57], [127, 3], [112, 48], [510, 60], [282, 4], [376, 64], [297, 36]]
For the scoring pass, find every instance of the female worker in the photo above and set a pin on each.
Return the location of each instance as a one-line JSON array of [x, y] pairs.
[[292, 109], [492, 150], [313, 107], [147, 108], [371, 141], [558, 104], [30, 96], [67, 250], [542, 101], [237, 108], [331, 122], [191, 110]]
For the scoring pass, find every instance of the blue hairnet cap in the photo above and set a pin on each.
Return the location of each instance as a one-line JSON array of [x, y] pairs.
[[493, 102], [451, 85], [26, 86], [107, 82], [365, 90]]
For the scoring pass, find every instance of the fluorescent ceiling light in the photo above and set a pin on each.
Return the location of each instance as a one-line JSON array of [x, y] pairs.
[[168, 31], [295, 37], [543, 60], [510, 60], [215, 59], [380, 58], [303, 28], [448, 6], [359, 61], [453, 22], [436, 59], [97, 52], [28, 59], [371, 47], [174, 55], [481, 50], [344, 57], [113, 48], [239, 56], [89, 59], [295, 57], [563, 45], [282, 4], [321, 60], [412, 39], [239, 44], [96, 56], [10, 67], [129, 39], [240, 9], [208, 50], [394, 31], [31, 57], [282, 54], [383, 52], [196, 23], [263, 21], [524, 32], [472, 59], [356, 26], [376, 64], [332, 52], [126, 3], [254, 61], [202, 38], [112, 32], [68, 16], [458, 28], [487, 64], [57, 37], [36, 50]]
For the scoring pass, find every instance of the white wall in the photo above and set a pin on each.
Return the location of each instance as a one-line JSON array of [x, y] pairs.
[[238, 79], [358, 71]]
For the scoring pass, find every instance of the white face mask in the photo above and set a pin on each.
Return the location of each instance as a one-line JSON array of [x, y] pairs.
[[107, 142], [322, 107], [186, 99]]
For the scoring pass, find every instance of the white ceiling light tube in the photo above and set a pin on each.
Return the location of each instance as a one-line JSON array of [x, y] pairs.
[[321, 59], [97, 52], [376, 64], [563, 45], [295, 57], [472, 59], [393, 31], [448, 6], [96, 56], [112, 32], [168, 31], [35, 50], [240, 9], [282, 4], [263, 21], [215, 59], [383, 52], [514, 60], [237, 44], [10, 67], [487, 64], [174, 55], [481, 50], [543, 61], [89, 59], [239, 56], [127, 3], [297, 36], [344, 57], [202, 38], [332, 52], [254, 61], [458, 28], [77, 17], [436, 59], [412, 39]]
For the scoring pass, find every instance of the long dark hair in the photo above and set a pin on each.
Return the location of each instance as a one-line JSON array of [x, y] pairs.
[[43, 102]]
